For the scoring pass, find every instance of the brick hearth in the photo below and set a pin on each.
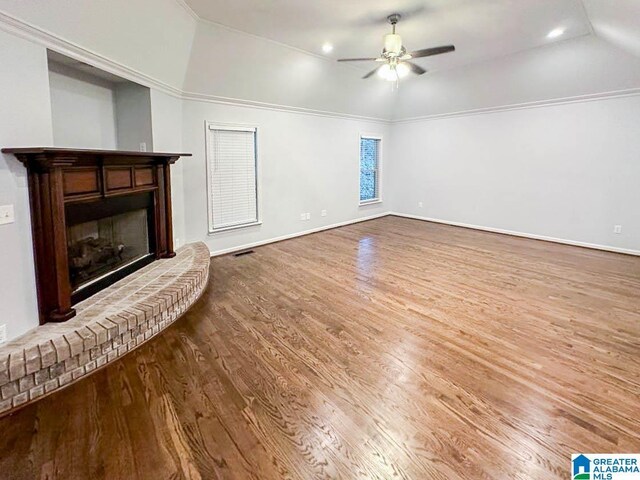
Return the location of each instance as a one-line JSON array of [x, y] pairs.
[[107, 326]]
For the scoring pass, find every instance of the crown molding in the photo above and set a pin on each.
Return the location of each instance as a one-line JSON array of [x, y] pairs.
[[188, 9], [591, 97], [54, 42], [235, 102]]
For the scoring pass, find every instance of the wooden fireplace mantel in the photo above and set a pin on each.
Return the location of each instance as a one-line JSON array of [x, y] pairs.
[[59, 177]]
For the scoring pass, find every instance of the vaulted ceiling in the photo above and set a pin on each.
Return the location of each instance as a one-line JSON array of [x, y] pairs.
[[480, 30], [504, 56]]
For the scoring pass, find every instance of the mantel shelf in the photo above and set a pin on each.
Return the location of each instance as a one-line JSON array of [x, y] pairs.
[[84, 151]]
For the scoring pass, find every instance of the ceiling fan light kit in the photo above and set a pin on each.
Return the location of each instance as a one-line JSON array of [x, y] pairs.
[[393, 43], [393, 73], [394, 57]]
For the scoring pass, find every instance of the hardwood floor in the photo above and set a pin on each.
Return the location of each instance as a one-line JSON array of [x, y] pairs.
[[388, 349]]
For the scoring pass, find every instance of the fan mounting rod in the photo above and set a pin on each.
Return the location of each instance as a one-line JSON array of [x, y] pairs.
[[392, 41], [393, 19]]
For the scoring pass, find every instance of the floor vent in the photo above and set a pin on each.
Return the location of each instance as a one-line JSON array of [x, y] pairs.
[[240, 254]]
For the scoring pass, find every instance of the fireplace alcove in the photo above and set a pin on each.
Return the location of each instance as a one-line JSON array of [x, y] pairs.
[[97, 216]]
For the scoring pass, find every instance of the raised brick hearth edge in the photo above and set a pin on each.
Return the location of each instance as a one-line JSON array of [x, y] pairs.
[[106, 327]]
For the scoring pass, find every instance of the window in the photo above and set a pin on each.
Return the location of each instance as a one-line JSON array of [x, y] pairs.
[[232, 177], [369, 169]]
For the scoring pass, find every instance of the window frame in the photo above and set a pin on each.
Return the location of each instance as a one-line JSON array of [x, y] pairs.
[[378, 170], [208, 126]]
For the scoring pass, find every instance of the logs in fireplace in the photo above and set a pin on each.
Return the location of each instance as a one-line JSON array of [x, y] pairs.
[[97, 215]]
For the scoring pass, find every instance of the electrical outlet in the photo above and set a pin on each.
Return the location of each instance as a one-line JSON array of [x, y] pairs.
[[617, 229], [420, 205], [177, 243], [308, 216], [143, 146], [303, 216], [6, 214], [323, 213], [3, 333]]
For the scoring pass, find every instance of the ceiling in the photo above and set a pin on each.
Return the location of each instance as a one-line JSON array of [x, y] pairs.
[[617, 22], [480, 30]]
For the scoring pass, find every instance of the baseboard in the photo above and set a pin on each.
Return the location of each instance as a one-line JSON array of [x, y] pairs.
[[226, 251], [532, 236]]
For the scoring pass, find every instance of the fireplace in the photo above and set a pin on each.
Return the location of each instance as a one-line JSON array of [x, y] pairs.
[[97, 216]]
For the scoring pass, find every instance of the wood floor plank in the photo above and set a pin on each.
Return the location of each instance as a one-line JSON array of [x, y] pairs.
[[388, 349]]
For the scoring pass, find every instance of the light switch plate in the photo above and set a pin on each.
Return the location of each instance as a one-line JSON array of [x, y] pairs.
[[6, 214], [3, 333]]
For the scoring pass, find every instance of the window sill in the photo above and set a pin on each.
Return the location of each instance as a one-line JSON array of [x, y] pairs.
[[233, 227], [370, 202]]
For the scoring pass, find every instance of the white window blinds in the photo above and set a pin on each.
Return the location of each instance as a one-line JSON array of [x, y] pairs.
[[233, 200]]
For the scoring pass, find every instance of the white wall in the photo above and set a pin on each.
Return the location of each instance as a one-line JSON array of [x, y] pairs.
[[166, 125], [25, 120], [566, 171], [307, 163], [133, 116], [83, 109]]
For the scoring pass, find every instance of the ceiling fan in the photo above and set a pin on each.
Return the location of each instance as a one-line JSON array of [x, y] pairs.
[[395, 59]]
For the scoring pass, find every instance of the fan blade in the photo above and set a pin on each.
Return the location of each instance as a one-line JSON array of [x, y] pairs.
[[417, 69], [372, 72], [428, 52], [358, 59]]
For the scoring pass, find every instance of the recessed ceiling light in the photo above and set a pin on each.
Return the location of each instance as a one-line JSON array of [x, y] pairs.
[[327, 48], [558, 32]]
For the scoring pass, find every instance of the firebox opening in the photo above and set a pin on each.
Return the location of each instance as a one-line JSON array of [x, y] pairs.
[[100, 246], [106, 241]]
